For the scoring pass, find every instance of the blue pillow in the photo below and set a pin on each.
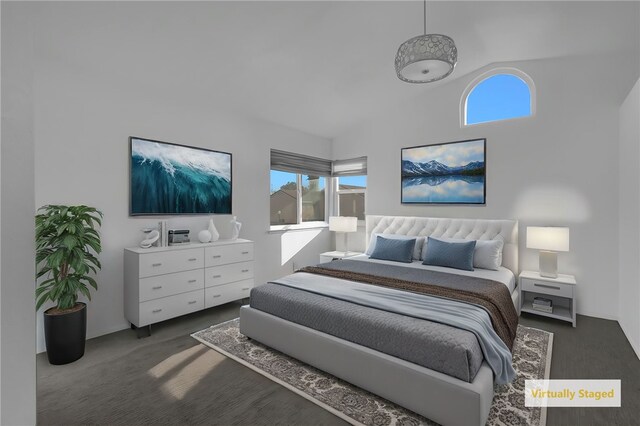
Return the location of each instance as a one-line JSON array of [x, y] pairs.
[[451, 255], [396, 250]]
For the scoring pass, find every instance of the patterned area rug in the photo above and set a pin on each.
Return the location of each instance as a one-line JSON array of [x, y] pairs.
[[531, 359]]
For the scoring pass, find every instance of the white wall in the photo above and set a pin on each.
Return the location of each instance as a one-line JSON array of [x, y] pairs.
[[81, 139], [17, 306], [557, 168], [629, 215]]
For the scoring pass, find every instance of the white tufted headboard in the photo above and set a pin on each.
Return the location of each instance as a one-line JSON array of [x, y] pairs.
[[471, 229]]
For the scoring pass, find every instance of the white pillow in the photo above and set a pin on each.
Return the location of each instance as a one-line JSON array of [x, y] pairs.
[[487, 255], [417, 248]]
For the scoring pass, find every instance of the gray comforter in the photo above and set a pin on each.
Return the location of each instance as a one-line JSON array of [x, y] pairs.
[[436, 346], [457, 314]]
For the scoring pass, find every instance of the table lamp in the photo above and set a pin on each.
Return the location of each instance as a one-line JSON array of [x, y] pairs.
[[343, 224], [549, 240]]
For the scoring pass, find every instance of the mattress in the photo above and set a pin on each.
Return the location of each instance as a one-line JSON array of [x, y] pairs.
[[502, 275], [436, 346]]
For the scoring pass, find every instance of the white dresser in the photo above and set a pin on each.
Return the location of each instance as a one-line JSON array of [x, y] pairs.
[[166, 282]]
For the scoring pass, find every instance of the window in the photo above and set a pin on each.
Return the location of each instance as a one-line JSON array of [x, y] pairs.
[[502, 95], [351, 186], [350, 195], [298, 188], [284, 198], [296, 198], [302, 191]]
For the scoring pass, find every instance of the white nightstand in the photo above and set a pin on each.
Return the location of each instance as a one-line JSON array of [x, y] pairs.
[[561, 290], [331, 255]]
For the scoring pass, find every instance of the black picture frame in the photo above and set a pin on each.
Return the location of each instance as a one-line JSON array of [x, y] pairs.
[[147, 185], [436, 176]]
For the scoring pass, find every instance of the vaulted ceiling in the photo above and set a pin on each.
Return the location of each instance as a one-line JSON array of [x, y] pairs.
[[315, 66]]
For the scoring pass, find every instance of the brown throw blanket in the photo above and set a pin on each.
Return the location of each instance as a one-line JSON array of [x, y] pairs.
[[493, 296]]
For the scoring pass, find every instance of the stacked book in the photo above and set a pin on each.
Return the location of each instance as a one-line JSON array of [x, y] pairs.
[[542, 304]]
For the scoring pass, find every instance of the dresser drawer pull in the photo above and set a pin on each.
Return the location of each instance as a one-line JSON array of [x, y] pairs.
[[155, 311], [158, 287], [217, 256], [157, 264], [245, 289], [546, 286], [192, 302], [216, 295], [192, 281], [193, 259], [245, 252], [245, 270], [217, 276]]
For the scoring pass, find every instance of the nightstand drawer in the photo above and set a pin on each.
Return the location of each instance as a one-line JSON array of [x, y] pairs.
[[546, 287]]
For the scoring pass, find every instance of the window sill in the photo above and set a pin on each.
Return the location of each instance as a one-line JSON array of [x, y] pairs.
[[298, 227]]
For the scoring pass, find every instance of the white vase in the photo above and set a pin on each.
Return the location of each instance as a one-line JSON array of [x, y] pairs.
[[235, 228], [215, 235], [204, 236]]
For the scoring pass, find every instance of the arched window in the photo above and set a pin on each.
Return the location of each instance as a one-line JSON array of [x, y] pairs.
[[500, 94]]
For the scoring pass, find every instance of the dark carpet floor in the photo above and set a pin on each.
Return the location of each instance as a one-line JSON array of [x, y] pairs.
[[169, 378]]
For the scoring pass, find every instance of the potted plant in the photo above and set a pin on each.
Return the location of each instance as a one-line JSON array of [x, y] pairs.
[[67, 245]]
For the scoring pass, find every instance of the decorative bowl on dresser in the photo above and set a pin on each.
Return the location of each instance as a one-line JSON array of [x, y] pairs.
[[166, 282]]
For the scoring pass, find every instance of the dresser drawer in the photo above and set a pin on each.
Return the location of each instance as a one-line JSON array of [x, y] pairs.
[[232, 253], [170, 261], [227, 293], [218, 275], [158, 310], [170, 284], [550, 288]]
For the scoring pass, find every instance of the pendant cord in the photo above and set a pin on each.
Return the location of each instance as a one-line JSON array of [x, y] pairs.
[[425, 17]]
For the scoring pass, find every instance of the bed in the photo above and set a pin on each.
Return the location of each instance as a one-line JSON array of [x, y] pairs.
[[434, 369]]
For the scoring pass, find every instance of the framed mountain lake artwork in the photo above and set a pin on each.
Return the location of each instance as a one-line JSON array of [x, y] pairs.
[[172, 179], [448, 173]]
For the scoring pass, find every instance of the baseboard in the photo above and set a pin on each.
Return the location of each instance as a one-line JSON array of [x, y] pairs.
[[634, 345], [598, 315], [109, 330], [96, 333]]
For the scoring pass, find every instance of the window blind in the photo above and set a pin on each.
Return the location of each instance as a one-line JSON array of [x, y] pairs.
[[350, 167], [299, 163]]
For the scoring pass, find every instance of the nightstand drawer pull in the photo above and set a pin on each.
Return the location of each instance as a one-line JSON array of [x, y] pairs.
[[246, 288], [158, 287], [155, 311], [157, 264], [245, 270], [546, 286], [245, 252], [216, 295], [217, 276], [193, 259], [217, 256], [192, 281], [192, 302]]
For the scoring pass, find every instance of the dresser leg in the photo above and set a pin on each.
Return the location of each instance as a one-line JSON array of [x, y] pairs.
[[142, 331]]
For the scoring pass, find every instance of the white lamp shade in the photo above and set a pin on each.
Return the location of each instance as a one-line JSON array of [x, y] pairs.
[[551, 238], [343, 224]]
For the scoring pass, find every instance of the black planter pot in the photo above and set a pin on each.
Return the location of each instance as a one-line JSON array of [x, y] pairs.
[[65, 335]]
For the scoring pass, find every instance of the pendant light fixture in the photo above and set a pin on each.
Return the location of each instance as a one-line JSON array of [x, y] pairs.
[[427, 57]]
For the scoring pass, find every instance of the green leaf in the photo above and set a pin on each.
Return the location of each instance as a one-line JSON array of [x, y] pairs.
[[66, 237]]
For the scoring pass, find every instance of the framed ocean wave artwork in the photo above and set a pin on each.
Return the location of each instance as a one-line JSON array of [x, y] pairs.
[[447, 173], [172, 179]]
